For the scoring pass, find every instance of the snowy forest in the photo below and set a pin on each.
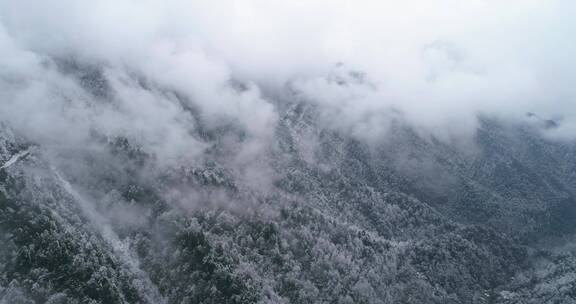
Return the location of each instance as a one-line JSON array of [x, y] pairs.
[[287, 152]]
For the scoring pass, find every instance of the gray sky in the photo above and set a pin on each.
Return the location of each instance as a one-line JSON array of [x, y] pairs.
[[439, 62]]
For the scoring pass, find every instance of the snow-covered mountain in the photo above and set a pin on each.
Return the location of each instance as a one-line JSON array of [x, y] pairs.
[[277, 151], [321, 217]]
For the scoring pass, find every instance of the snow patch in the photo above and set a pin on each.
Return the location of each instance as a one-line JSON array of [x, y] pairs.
[[15, 158]]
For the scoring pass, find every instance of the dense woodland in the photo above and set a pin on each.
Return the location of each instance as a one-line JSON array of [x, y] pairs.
[[409, 218]]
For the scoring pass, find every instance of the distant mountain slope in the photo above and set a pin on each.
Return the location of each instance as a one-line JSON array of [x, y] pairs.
[[324, 218]]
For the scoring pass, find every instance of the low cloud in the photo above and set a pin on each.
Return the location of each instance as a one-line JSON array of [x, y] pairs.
[[436, 64]]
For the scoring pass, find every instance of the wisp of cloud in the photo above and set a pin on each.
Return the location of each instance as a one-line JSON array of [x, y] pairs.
[[436, 64]]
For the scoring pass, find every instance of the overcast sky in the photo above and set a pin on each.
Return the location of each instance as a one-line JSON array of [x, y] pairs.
[[438, 62]]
